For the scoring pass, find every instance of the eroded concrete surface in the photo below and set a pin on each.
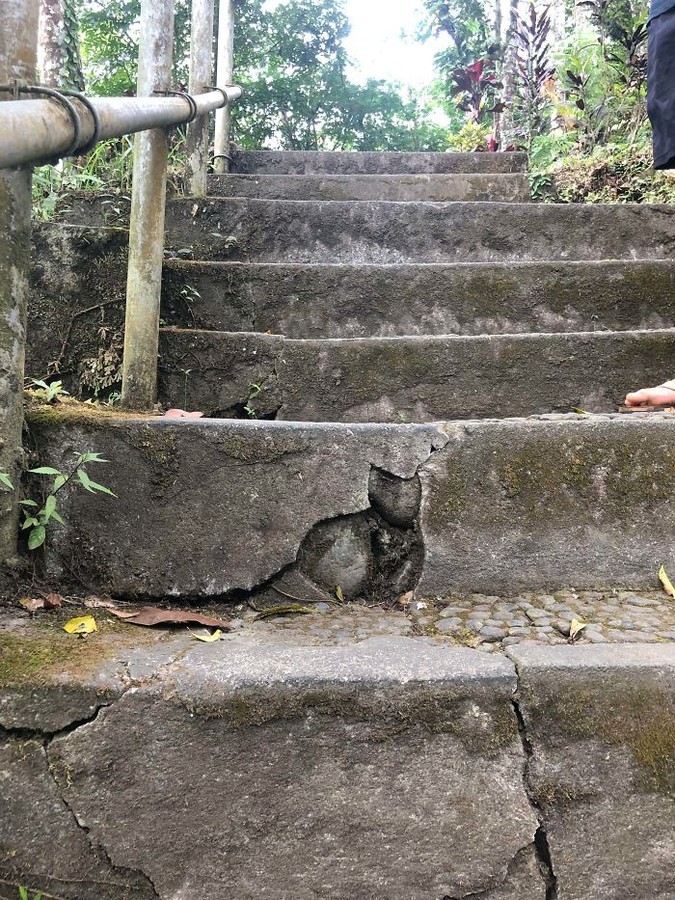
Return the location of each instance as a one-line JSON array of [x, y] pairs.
[[494, 507], [267, 765]]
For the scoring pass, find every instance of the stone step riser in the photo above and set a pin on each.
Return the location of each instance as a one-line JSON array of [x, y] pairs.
[[343, 761], [351, 163], [496, 507], [307, 301], [341, 301], [400, 188], [407, 379], [359, 233]]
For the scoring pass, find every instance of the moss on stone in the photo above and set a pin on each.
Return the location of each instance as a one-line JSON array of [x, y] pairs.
[[36, 659], [640, 717], [484, 725]]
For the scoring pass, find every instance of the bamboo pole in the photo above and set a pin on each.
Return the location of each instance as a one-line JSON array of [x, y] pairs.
[[225, 70]]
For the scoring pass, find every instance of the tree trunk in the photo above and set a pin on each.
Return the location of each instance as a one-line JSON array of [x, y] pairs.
[[507, 130], [58, 45], [18, 46]]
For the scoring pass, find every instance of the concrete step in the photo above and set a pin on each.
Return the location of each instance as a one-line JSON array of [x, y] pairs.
[[293, 766], [485, 186], [360, 232], [336, 301], [301, 162], [411, 379], [496, 507]]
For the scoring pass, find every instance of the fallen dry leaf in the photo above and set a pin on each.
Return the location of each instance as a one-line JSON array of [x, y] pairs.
[[406, 599], [98, 603], [208, 638], [666, 582], [53, 601], [182, 414], [287, 610], [576, 627], [32, 604], [340, 594], [81, 625], [152, 615]]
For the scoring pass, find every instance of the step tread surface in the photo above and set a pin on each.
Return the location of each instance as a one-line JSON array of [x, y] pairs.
[[342, 162]]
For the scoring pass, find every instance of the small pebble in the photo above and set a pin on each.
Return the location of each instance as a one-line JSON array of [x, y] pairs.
[[492, 634], [475, 624], [669, 635], [519, 632], [542, 623], [451, 611], [641, 601], [446, 625], [511, 640], [533, 613]]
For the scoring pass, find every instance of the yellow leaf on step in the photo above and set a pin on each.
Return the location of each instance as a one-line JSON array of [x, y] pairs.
[[576, 628], [340, 594], [666, 582], [81, 625], [208, 638]]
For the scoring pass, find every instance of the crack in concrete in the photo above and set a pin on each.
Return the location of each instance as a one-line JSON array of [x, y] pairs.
[[486, 892], [97, 848], [542, 848]]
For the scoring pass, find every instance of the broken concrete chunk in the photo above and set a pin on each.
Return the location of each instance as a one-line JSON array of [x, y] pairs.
[[396, 499]]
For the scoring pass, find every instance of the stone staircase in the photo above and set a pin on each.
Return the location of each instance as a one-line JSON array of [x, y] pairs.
[[448, 344], [388, 347]]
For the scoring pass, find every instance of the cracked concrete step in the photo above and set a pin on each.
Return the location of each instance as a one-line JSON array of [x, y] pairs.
[[300, 162], [408, 379], [333, 301], [483, 186], [391, 767], [495, 506], [359, 232]]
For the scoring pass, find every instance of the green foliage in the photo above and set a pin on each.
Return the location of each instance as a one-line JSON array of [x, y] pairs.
[[36, 517], [109, 45], [292, 64], [45, 392], [470, 137], [24, 894], [615, 173], [533, 70], [466, 24]]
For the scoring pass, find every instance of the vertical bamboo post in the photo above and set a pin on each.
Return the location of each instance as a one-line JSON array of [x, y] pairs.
[[148, 207], [201, 63], [18, 58], [225, 75]]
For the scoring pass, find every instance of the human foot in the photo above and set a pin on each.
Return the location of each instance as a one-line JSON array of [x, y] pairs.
[[663, 395]]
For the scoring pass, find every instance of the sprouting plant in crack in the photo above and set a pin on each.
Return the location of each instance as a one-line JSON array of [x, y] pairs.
[[38, 517], [253, 391], [25, 895]]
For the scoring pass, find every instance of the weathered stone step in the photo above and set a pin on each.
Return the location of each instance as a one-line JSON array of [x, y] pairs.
[[499, 187], [301, 162], [334, 301], [379, 232], [411, 379], [367, 769], [495, 506], [360, 232]]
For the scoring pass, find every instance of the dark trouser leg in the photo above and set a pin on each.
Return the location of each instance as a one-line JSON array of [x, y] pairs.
[[661, 88]]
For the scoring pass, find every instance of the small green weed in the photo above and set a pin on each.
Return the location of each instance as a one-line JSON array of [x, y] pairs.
[[25, 895], [37, 518]]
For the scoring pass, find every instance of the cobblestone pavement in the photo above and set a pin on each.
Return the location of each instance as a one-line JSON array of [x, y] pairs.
[[487, 622]]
